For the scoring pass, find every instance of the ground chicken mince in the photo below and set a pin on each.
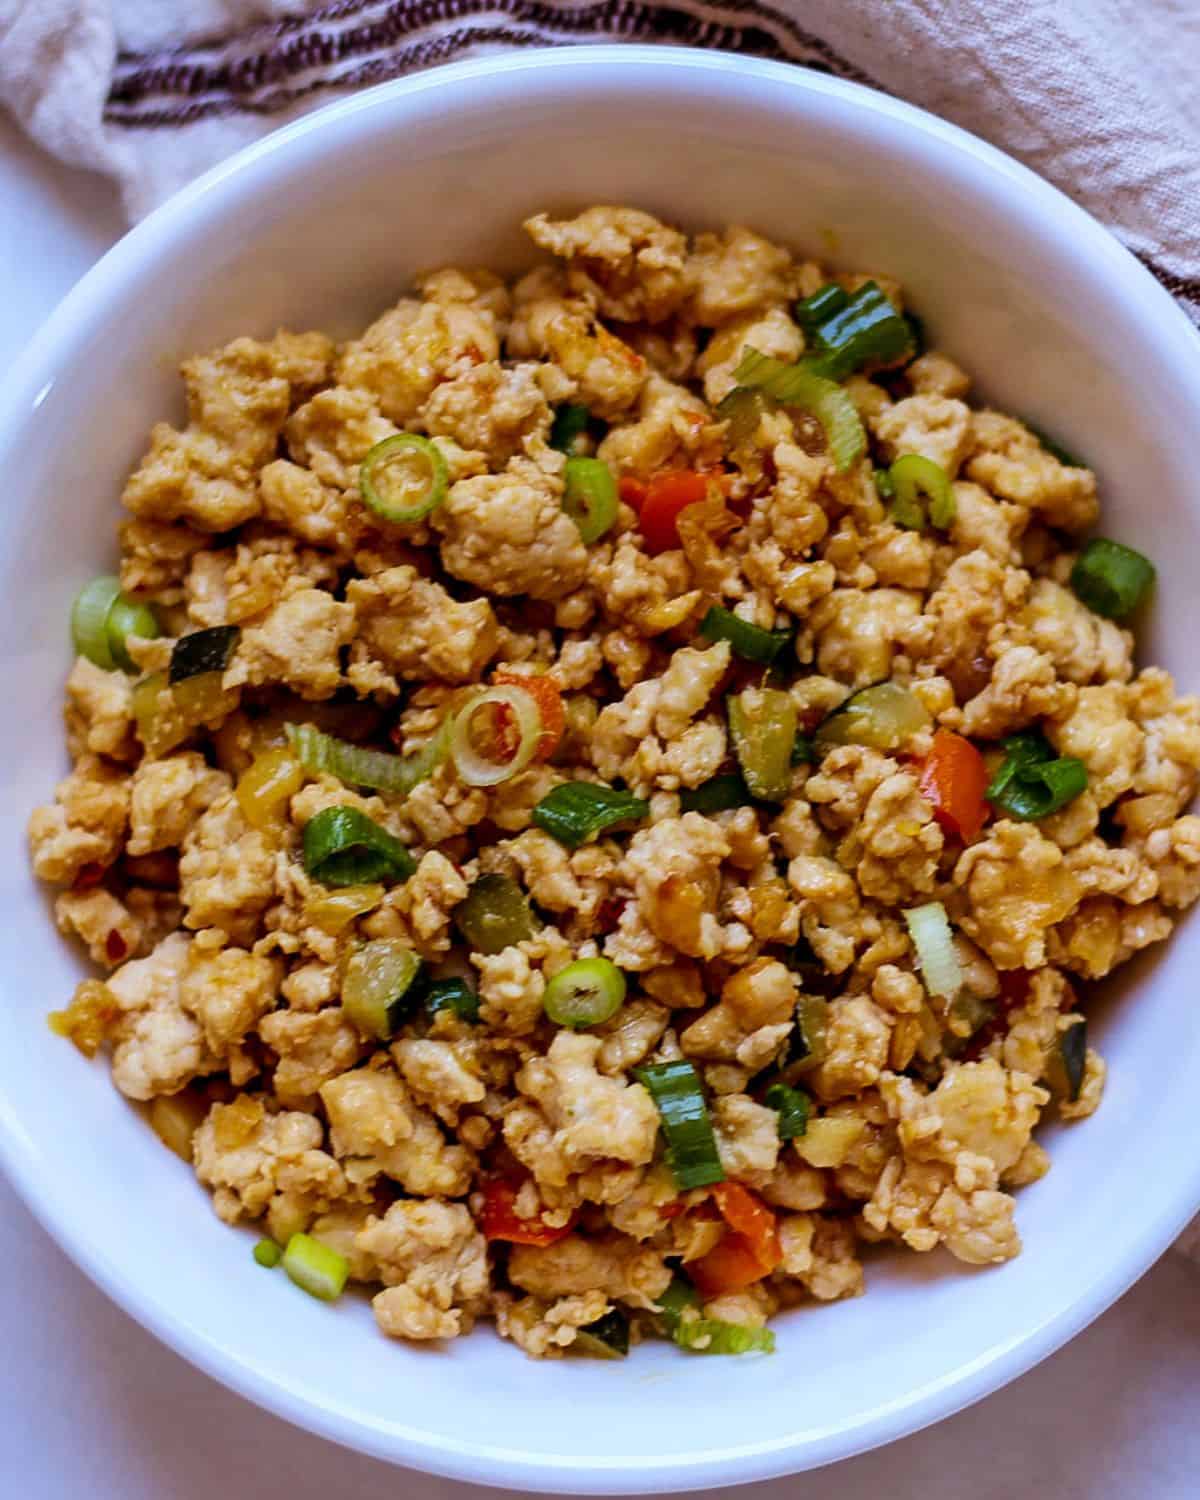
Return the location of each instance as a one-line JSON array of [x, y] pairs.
[[603, 795]]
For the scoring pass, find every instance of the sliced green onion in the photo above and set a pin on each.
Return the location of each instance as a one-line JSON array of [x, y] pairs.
[[89, 621], [866, 331], [569, 425], [762, 724], [799, 385], [577, 811], [1032, 781], [102, 618], [127, 617], [808, 1045], [820, 306], [342, 846], [380, 987], [1067, 1063], [884, 485], [585, 993], [454, 995], [882, 716], [718, 794], [1055, 449], [1112, 580], [793, 1106], [921, 490], [375, 769], [714, 1336], [403, 478], [929, 928], [590, 497], [686, 1125], [203, 651], [268, 1254], [494, 915], [751, 642], [680, 1297], [316, 1268], [474, 766], [1040, 790], [679, 1306], [606, 1338]]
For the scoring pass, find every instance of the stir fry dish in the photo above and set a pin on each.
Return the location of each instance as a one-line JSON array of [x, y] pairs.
[[605, 795]]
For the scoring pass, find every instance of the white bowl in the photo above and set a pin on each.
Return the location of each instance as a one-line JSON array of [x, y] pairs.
[[321, 226]]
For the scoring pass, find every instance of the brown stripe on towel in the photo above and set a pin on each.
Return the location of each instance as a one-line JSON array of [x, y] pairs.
[[260, 69]]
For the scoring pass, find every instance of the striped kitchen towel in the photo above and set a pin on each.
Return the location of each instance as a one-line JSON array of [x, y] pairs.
[[1097, 95]]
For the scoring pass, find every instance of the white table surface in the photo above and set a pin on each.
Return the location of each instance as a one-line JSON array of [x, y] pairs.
[[90, 1405]]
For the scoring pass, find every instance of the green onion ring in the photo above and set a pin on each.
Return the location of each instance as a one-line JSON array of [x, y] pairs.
[[913, 476], [586, 993], [393, 452], [89, 620], [476, 769]]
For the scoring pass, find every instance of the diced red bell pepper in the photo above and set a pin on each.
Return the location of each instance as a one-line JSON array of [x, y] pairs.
[[749, 1249], [500, 1220], [666, 495], [953, 781]]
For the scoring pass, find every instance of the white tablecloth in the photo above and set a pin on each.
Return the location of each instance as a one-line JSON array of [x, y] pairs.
[[92, 1406]]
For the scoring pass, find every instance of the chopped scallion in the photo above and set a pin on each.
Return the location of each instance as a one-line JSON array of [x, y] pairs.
[[1112, 580], [380, 987], [866, 331], [718, 794], [714, 1336], [376, 769], [751, 642], [590, 497], [127, 617], [762, 724], [89, 620], [929, 928], [267, 1253], [793, 1106], [585, 993], [102, 618], [342, 846], [495, 914], [569, 425], [454, 995], [799, 385], [315, 1268], [921, 492], [687, 1127], [820, 306], [1032, 782], [489, 760], [679, 1309], [403, 478], [577, 811]]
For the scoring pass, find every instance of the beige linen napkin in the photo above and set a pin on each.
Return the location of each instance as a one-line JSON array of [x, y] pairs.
[[1099, 96]]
